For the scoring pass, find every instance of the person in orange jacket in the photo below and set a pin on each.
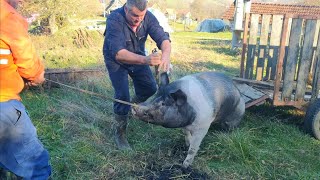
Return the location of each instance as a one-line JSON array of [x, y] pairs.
[[21, 152]]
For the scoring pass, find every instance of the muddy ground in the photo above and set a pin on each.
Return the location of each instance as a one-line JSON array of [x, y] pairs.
[[156, 171]]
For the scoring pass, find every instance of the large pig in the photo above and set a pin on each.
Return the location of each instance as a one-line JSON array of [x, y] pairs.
[[193, 103]]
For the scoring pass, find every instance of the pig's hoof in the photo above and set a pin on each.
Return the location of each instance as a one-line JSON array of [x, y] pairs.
[[133, 111], [186, 164], [187, 143]]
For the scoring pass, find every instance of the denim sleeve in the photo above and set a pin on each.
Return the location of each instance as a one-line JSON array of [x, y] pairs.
[[155, 31], [115, 37]]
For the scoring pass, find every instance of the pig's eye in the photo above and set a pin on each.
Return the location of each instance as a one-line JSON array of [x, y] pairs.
[[145, 113]]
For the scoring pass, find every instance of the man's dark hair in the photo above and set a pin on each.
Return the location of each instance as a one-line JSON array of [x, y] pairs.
[[140, 4]]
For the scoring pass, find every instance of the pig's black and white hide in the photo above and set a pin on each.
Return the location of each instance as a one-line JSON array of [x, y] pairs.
[[193, 103]]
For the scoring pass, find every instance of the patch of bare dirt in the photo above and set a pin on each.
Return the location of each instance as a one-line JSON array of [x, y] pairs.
[[156, 170]]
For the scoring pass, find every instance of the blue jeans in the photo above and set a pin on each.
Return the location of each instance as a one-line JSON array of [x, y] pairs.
[[21, 152], [143, 81]]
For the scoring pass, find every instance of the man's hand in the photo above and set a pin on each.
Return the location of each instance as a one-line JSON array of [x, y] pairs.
[[153, 59], [37, 81], [165, 58], [165, 65]]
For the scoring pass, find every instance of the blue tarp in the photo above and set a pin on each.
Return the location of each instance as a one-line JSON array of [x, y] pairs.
[[211, 25]]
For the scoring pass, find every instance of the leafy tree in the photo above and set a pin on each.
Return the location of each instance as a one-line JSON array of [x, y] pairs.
[[179, 4], [312, 2], [62, 12], [202, 9], [161, 3]]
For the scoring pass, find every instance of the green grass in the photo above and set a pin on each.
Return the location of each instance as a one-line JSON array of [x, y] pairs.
[[61, 51], [76, 127], [180, 27]]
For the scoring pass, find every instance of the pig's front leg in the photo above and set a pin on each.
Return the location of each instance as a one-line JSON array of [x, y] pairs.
[[187, 137], [196, 139]]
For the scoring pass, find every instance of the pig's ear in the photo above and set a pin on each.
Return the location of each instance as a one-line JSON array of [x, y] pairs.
[[164, 79], [179, 97]]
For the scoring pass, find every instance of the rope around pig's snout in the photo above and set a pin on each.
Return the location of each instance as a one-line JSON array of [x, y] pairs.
[[93, 93]]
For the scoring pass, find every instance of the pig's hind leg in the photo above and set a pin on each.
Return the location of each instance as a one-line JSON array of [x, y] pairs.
[[233, 120], [187, 137], [195, 141]]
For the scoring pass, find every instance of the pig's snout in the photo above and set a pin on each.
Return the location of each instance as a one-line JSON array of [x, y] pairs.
[[139, 111], [134, 111]]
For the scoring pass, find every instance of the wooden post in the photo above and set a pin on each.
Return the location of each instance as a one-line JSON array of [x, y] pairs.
[[291, 63], [237, 23], [316, 77], [277, 23], [280, 60], [305, 61], [251, 54], [265, 25], [244, 44], [238, 15], [236, 39]]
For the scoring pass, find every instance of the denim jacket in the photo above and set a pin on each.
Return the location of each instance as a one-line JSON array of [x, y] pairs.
[[119, 35]]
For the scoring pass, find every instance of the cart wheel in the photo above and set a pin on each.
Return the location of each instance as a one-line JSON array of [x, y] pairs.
[[312, 119]]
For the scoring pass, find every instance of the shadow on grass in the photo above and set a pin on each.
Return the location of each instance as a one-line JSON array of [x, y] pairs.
[[219, 46], [283, 114], [226, 51], [214, 42], [215, 67]]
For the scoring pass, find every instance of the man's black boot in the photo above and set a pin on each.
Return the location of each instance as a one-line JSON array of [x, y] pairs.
[[120, 132]]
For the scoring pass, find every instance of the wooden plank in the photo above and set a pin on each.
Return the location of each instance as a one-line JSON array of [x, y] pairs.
[[305, 59], [254, 83], [257, 102], [246, 99], [299, 16], [244, 46], [316, 77], [249, 91], [287, 44], [291, 63], [265, 25], [252, 45], [277, 82], [315, 42], [251, 95], [289, 32], [260, 67], [277, 21]]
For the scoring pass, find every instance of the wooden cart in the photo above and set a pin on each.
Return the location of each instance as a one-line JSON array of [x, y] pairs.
[[281, 61]]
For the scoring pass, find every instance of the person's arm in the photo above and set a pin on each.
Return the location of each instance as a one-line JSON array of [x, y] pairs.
[[165, 58], [162, 39], [125, 56], [30, 66]]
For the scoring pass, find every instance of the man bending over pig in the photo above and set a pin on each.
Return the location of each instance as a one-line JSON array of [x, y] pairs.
[[124, 53]]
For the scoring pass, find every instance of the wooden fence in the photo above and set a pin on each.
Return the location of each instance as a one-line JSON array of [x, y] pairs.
[[283, 49]]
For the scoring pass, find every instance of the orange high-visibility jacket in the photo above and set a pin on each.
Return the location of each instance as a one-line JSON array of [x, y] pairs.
[[18, 58]]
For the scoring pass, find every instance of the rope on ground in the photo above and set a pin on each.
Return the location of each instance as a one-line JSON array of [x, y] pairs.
[[93, 93]]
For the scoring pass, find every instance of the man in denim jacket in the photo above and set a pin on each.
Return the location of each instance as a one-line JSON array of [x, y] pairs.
[[124, 52]]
